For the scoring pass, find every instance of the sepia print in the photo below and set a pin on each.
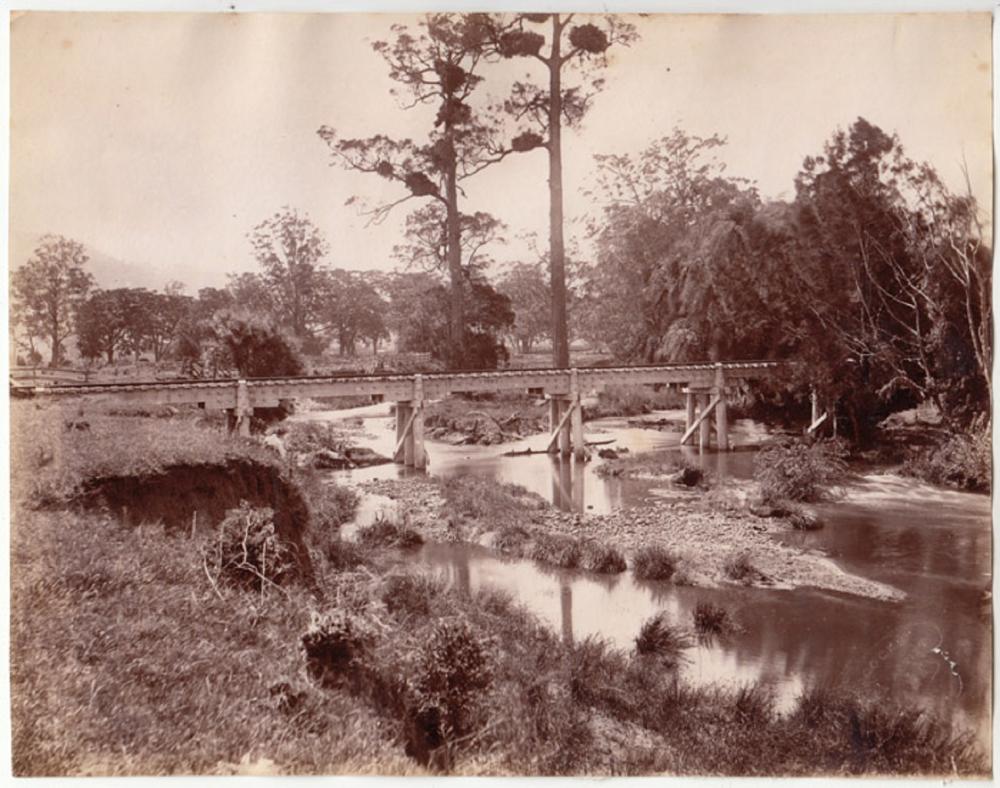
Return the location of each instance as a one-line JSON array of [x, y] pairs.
[[501, 394]]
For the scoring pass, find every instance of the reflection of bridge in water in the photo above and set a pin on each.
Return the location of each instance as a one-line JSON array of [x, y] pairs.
[[706, 387]]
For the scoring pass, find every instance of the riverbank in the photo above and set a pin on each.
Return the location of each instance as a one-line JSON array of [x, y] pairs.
[[145, 641]]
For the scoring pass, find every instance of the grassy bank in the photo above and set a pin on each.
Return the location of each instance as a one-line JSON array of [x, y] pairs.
[[287, 683]]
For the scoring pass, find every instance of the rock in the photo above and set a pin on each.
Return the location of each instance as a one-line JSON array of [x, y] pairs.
[[608, 454], [328, 459], [360, 455], [276, 443], [689, 477], [805, 520]]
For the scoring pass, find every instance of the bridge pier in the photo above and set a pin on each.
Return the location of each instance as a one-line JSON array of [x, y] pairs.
[[705, 427], [708, 401], [238, 418], [721, 412], [410, 429]]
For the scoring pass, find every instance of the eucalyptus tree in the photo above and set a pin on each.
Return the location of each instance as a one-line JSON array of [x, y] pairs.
[[435, 65], [290, 250], [48, 290], [548, 107]]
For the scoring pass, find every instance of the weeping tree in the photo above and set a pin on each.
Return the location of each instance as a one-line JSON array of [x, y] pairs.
[[548, 107], [436, 65]]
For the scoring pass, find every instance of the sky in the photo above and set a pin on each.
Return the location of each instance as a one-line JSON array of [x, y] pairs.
[[160, 140]]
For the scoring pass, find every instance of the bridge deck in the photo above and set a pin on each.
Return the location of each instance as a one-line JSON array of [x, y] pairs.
[[268, 392]]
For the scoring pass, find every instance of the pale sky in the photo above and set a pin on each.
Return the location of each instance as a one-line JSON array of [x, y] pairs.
[[160, 140]]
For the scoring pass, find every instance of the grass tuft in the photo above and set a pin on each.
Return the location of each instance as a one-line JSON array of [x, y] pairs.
[[654, 562], [710, 619], [659, 639]]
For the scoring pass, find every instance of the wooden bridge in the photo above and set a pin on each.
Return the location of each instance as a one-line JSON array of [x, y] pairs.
[[705, 387]]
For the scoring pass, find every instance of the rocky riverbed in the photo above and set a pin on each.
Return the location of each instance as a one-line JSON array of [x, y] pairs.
[[708, 532]]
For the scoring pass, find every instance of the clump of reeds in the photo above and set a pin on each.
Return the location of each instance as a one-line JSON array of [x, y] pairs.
[[654, 562]]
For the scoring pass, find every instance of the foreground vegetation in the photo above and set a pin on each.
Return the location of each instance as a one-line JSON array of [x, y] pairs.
[[154, 649]]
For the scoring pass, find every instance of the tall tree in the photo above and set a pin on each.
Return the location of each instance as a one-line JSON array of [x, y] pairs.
[[549, 107], [436, 66], [289, 248], [49, 289]]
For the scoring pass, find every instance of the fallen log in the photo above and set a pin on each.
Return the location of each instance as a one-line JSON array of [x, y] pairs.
[[528, 452]]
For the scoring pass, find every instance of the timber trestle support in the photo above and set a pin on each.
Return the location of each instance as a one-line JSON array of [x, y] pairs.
[[705, 386]]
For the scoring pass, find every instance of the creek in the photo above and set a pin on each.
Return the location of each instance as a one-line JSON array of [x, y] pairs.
[[931, 650]]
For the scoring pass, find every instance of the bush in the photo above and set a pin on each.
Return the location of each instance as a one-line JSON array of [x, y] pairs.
[[799, 471], [963, 461], [710, 619], [249, 553], [341, 555], [659, 639], [454, 672], [654, 563], [336, 647], [410, 594]]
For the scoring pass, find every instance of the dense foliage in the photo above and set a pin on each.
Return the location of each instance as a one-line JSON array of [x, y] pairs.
[[875, 275]]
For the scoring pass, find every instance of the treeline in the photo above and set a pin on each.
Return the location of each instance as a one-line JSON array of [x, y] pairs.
[[875, 275], [262, 323]]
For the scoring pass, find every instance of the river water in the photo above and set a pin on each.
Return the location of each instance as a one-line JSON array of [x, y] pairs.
[[932, 650]]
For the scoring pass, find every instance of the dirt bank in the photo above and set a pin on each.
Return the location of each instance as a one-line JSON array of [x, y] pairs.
[[198, 495], [705, 533]]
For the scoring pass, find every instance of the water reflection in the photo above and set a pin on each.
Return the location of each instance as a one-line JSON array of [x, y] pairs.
[[787, 641], [933, 544]]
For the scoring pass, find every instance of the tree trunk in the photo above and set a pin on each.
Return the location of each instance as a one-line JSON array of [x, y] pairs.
[[456, 323], [557, 249]]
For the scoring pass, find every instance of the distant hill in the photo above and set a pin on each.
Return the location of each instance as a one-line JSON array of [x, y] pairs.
[[108, 271]]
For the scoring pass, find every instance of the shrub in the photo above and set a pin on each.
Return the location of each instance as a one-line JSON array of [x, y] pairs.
[[710, 619], [336, 646], [342, 555], [963, 461], [410, 594], [799, 471], [249, 552], [659, 639], [654, 563], [454, 672]]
